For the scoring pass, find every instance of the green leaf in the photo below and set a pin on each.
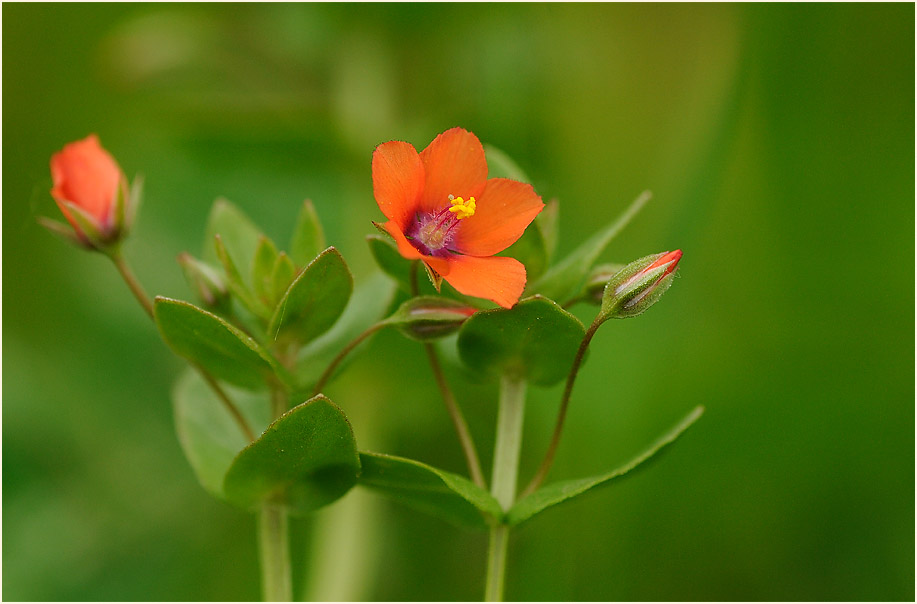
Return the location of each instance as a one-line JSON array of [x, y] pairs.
[[209, 435], [500, 165], [547, 224], [369, 304], [531, 251], [390, 261], [263, 268], [306, 459], [315, 299], [563, 280], [428, 489], [535, 340], [559, 492], [308, 238], [282, 276], [239, 234], [235, 283], [210, 342]]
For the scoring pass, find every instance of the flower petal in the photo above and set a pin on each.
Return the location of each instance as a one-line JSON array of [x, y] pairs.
[[404, 246], [86, 175], [398, 179], [496, 278], [505, 209], [455, 165]]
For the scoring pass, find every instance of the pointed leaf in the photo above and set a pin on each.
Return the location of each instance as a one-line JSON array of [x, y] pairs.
[[535, 340], [263, 269], [559, 492], [282, 276], [390, 261], [210, 342], [500, 165], [240, 235], [563, 280], [547, 224], [428, 489], [305, 459], [530, 250], [209, 435], [369, 304], [235, 283], [308, 238], [315, 299]]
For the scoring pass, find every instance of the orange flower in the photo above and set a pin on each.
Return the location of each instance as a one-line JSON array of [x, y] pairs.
[[442, 209], [87, 180]]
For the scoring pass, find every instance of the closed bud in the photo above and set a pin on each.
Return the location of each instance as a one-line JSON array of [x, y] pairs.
[[428, 318], [92, 193], [639, 285], [204, 281]]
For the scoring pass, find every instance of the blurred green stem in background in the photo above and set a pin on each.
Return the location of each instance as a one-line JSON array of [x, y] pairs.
[[274, 549], [510, 414]]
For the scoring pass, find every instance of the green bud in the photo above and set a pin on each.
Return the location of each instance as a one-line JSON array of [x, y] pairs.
[[428, 318], [204, 281], [639, 285]]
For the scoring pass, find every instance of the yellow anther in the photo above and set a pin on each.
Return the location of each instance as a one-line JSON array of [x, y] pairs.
[[462, 208]]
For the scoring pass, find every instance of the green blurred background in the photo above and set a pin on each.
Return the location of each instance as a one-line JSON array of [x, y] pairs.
[[778, 141]]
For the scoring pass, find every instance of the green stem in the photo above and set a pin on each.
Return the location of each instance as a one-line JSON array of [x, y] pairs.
[[128, 275], [274, 550], [496, 563], [548, 461], [131, 281], [227, 402], [458, 420], [343, 353], [508, 445]]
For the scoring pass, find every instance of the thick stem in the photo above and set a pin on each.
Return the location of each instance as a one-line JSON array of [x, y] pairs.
[[274, 551], [496, 563], [458, 420], [343, 353], [548, 460], [132, 282], [508, 445], [509, 440]]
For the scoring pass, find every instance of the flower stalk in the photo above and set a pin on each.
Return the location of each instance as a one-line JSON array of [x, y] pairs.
[[510, 415], [274, 550]]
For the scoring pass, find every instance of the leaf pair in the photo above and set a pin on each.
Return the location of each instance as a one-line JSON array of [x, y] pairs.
[[461, 502], [304, 459]]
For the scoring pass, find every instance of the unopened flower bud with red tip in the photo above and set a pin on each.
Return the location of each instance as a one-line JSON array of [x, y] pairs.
[[92, 193], [639, 285], [428, 318]]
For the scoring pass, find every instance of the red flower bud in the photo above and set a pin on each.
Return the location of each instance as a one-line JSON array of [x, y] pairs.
[[91, 191], [639, 285]]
